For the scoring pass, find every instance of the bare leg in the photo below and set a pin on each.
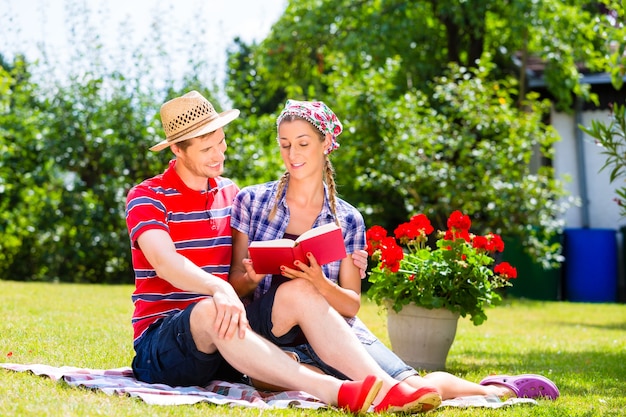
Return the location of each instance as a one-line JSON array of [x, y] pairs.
[[258, 358], [264, 386], [451, 386], [297, 302]]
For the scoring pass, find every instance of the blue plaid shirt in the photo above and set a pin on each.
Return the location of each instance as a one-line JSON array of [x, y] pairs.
[[250, 215]]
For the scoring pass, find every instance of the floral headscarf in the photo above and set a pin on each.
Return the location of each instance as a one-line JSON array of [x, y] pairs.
[[318, 114]]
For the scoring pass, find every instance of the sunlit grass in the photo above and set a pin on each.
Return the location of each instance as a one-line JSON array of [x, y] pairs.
[[582, 347]]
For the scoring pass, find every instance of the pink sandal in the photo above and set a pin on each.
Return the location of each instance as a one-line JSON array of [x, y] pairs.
[[526, 385]]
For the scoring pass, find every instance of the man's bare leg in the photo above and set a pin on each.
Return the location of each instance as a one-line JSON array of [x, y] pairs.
[[258, 358]]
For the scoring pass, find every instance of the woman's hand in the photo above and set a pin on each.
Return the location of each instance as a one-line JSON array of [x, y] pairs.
[[251, 274], [312, 272]]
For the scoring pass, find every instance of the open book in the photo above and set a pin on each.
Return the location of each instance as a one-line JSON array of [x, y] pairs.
[[324, 242]]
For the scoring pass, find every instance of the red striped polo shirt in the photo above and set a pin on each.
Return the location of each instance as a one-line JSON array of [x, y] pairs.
[[198, 223]]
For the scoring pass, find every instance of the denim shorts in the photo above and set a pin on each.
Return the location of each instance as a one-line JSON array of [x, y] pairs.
[[389, 361], [306, 355], [167, 354], [259, 314]]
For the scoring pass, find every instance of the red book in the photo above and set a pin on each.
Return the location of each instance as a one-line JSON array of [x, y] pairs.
[[324, 242]]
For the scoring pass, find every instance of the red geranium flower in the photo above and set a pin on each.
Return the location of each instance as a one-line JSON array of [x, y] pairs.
[[480, 242], [455, 273], [374, 236], [454, 234], [458, 221], [414, 231], [391, 254], [506, 270], [491, 242]]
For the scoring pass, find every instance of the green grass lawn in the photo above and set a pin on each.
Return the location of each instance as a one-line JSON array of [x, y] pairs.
[[582, 347]]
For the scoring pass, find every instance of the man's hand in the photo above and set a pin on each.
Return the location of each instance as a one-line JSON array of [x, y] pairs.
[[230, 317], [360, 261]]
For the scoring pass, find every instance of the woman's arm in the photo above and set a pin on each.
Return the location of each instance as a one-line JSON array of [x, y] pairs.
[[241, 268]]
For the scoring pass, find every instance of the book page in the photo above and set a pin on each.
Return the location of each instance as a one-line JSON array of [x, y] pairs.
[[320, 230], [277, 243]]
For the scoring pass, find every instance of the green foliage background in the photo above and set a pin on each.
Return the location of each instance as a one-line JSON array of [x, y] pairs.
[[432, 94]]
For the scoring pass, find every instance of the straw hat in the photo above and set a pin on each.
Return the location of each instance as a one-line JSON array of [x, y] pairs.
[[189, 116]]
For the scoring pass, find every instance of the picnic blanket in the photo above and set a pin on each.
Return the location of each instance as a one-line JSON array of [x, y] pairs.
[[122, 382]]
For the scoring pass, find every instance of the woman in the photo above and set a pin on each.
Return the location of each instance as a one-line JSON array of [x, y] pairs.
[[306, 197]]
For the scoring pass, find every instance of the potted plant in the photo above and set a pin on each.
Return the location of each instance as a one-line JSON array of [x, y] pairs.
[[458, 277]]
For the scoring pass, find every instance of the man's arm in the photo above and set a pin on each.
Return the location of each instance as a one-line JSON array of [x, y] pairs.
[[359, 258], [183, 274]]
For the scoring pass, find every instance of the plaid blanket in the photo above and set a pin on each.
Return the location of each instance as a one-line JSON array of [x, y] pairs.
[[122, 382]]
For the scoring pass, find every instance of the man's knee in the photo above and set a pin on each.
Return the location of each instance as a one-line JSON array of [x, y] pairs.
[[203, 310], [201, 323]]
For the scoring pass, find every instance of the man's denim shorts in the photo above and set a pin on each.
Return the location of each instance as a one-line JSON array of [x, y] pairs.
[[167, 354]]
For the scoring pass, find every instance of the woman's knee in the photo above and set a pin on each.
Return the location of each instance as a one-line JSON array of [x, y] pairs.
[[296, 301], [293, 300], [296, 290]]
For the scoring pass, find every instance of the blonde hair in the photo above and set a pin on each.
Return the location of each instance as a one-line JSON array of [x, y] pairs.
[[329, 177]]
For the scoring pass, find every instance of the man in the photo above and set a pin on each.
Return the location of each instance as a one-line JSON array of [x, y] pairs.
[[189, 324]]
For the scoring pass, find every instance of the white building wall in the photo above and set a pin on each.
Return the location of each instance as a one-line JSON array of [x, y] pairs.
[[603, 211]]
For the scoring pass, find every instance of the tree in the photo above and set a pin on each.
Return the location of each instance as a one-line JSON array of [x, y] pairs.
[[467, 146], [568, 36], [29, 190], [73, 143], [426, 124], [67, 163], [415, 83]]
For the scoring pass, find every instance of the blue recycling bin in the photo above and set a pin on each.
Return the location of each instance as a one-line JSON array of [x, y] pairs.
[[590, 265]]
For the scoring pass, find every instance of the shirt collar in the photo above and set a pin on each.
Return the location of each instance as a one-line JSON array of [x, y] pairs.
[[172, 176]]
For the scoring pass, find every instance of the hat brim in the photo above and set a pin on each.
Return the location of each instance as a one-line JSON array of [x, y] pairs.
[[221, 120]]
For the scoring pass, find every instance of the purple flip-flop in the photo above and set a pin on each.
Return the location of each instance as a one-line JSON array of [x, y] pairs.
[[526, 385]]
